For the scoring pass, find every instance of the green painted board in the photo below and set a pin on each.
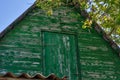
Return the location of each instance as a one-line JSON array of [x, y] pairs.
[[21, 49], [60, 55]]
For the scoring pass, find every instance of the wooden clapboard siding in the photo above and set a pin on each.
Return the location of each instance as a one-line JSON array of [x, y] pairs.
[[21, 49]]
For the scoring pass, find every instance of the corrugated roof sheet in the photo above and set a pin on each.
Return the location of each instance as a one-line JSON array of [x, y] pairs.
[[24, 76]]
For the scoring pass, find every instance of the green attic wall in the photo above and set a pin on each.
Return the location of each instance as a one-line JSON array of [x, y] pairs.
[[21, 48]]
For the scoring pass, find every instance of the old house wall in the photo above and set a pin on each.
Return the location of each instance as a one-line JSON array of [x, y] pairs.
[[21, 48]]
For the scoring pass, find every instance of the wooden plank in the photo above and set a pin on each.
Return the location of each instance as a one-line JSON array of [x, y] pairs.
[[60, 55]]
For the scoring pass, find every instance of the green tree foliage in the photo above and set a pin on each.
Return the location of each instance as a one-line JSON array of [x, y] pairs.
[[104, 12]]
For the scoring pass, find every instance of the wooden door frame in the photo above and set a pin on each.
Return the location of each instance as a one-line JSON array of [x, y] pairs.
[[75, 34]]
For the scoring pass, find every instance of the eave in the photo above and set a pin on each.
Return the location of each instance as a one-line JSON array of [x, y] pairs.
[[97, 27], [99, 30], [11, 26]]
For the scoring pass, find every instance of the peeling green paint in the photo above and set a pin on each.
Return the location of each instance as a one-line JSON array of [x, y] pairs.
[[21, 50], [60, 55]]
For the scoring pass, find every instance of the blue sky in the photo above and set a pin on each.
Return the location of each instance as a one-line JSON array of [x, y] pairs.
[[11, 9]]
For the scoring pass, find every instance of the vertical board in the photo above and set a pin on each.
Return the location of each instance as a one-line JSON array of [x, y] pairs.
[[60, 55]]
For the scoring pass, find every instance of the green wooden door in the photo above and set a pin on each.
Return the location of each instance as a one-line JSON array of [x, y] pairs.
[[60, 55]]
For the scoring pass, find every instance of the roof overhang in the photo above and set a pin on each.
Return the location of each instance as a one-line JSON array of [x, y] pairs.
[[11, 26], [97, 27]]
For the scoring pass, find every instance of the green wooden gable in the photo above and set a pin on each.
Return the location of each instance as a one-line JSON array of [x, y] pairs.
[[57, 44]]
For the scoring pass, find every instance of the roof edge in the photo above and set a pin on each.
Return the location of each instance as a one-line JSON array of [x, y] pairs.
[[25, 76], [11, 26], [97, 27], [99, 30]]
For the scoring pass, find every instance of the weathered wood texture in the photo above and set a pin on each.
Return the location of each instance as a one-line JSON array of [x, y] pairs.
[[21, 49], [60, 55]]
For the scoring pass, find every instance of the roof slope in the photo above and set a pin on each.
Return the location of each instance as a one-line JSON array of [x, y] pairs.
[[83, 13], [97, 58], [16, 21], [100, 31]]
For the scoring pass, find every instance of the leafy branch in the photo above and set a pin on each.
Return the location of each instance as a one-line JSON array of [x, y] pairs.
[[104, 12]]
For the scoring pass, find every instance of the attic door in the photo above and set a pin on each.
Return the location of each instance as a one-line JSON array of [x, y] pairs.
[[60, 55]]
